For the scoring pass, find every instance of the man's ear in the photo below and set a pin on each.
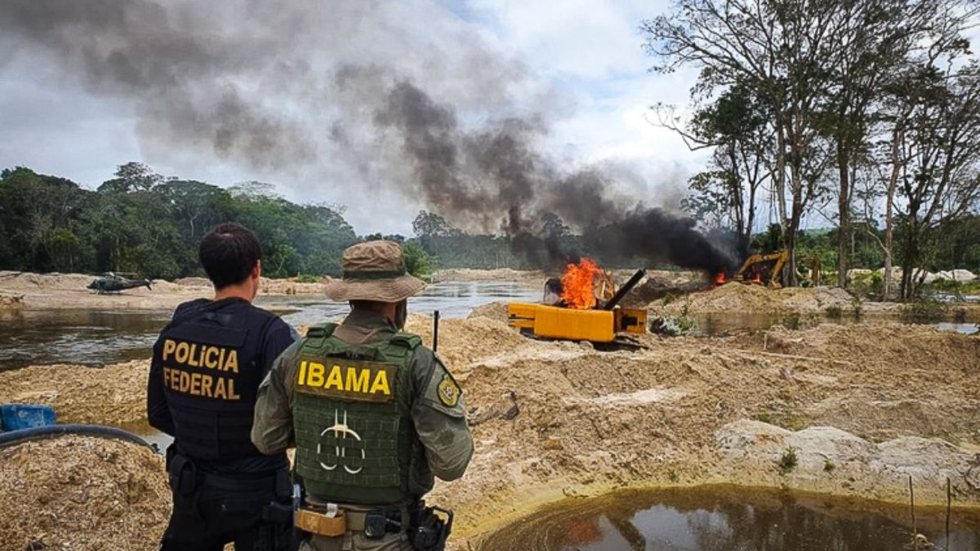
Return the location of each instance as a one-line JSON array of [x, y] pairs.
[[257, 269]]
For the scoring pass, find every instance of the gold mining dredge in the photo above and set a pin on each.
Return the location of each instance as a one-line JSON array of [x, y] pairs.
[[572, 310]]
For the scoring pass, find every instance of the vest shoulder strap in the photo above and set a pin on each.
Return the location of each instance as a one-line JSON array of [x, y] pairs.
[[407, 340], [321, 331]]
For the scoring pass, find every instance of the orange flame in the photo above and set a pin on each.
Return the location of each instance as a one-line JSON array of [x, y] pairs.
[[720, 279], [578, 283]]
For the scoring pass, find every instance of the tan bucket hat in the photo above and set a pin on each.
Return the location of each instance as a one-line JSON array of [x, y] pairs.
[[374, 270]]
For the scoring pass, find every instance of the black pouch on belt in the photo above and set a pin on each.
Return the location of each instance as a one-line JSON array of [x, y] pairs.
[[182, 471], [430, 531], [280, 511], [379, 523]]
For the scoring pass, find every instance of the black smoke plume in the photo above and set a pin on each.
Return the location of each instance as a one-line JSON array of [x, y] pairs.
[[351, 94], [494, 172]]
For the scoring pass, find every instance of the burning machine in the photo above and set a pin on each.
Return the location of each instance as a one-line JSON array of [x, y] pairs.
[[581, 322]]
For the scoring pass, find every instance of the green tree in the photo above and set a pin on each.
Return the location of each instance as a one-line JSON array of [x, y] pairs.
[[417, 261]]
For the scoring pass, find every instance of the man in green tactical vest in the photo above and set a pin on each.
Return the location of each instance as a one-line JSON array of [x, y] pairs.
[[373, 414]]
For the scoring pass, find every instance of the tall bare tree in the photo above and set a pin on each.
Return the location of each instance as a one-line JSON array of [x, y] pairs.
[[784, 51], [939, 180], [876, 39]]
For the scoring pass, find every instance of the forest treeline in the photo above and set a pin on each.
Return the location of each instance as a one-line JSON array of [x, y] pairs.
[[144, 223]]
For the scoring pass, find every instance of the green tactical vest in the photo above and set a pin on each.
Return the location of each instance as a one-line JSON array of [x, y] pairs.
[[355, 438]]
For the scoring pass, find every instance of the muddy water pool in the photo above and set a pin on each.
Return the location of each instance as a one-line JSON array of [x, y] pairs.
[[732, 518]]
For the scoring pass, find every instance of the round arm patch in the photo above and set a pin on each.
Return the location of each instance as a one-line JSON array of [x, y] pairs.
[[448, 391]]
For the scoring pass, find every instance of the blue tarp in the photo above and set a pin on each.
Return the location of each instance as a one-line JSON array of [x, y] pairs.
[[25, 416]]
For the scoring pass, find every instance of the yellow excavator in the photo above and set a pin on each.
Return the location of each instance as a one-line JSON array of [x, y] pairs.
[[766, 269]]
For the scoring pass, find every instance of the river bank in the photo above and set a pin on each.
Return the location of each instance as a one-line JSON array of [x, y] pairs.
[[848, 410], [68, 291]]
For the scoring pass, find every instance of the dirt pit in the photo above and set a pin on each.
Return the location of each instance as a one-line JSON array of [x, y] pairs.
[[81, 493], [552, 420], [558, 419]]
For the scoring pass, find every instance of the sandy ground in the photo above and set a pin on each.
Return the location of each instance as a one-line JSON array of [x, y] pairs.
[[63, 291], [737, 298], [82, 493], [861, 407], [112, 395]]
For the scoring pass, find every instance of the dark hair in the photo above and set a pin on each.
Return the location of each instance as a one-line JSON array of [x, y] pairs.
[[228, 254]]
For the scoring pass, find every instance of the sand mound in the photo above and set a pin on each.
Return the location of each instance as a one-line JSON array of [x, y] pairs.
[[51, 282], [493, 310], [11, 301], [734, 298], [827, 453], [193, 282], [463, 341], [111, 395], [75, 493], [815, 299], [162, 285], [957, 275], [291, 287]]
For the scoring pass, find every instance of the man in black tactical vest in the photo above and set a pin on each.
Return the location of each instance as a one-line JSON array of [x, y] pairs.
[[373, 414], [206, 369]]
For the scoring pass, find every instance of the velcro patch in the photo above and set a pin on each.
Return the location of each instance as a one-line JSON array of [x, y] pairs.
[[347, 379]]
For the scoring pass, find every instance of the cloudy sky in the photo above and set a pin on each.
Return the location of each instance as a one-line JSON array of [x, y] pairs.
[[578, 65]]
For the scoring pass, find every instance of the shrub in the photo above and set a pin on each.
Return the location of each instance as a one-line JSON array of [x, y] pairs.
[[788, 461], [924, 311]]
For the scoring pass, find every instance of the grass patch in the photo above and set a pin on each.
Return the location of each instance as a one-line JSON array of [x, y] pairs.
[[924, 311], [792, 322], [858, 307], [828, 465], [788, 461], [834, 312], [788, 421], [307, 278]]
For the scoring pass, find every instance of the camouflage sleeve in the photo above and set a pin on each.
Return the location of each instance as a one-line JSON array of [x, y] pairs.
[[272, 426], [440, 417]]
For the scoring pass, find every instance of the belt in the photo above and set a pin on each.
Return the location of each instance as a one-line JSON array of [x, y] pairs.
[[356, 521]]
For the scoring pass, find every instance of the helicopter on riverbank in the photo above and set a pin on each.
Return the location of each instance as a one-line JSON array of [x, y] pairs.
[[113, 282]]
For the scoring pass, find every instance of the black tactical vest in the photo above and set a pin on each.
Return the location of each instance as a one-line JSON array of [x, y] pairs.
[[211, 373]]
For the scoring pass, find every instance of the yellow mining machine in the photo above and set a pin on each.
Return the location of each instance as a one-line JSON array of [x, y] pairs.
[[598, 325], [767, 269]]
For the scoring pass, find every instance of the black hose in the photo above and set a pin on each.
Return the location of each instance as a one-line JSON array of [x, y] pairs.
[[52, 431]]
